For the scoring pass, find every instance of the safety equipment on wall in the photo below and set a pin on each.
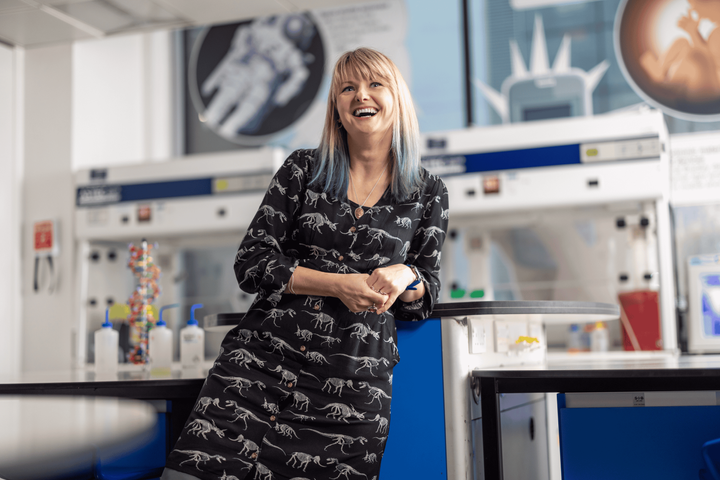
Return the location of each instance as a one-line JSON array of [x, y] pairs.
[[47, 250]]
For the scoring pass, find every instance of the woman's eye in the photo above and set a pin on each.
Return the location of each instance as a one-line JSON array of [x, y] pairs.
[[375, 84], [347, 89]]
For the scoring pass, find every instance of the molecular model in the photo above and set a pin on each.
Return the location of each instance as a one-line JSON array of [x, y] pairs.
[[142, 317]]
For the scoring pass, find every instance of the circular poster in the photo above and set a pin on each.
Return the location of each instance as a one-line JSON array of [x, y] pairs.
[[251, 80], [669, 52]]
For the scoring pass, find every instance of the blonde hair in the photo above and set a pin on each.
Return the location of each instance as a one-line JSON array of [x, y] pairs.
[[333, 167]]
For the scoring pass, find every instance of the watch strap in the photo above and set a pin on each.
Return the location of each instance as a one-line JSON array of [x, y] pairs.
[[418, 277]]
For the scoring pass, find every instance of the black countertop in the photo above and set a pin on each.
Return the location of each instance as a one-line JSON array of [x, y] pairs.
[[590, 311], [609, 373], [130, 382]]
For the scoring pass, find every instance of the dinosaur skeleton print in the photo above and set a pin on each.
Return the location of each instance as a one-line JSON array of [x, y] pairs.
[[302, 386]]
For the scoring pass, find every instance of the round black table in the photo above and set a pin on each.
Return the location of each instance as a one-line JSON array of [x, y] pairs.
[[46, 437]]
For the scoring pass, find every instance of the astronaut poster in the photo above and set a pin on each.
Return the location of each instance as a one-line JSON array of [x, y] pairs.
[[253, 79], [264, 81]]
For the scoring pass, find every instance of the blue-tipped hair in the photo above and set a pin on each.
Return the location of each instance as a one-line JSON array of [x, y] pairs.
[[332, 170]]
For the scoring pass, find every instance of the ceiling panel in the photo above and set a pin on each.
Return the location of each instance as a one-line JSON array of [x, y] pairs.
[[304, 5], [34, 27], [58, 2], [13, 5], [117, 17], [224, 11], [40, 22]]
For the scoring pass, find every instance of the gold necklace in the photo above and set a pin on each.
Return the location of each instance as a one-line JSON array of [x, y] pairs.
[[359, 212]]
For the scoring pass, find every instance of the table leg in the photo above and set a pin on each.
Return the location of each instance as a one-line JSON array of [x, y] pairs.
[[492, 442]]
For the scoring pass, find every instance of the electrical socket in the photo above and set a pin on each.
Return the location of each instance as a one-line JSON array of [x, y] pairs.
[[480, 338]]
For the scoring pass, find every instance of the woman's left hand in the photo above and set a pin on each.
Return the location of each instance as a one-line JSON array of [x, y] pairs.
[[391, 281]]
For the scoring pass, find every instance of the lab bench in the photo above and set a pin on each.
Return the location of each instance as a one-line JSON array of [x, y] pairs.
[[432, 397], [619, 417]]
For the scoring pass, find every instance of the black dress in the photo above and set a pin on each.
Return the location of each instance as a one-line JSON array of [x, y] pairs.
[[301, 388]]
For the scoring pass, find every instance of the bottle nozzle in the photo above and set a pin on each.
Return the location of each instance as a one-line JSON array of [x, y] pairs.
[[161, 321], [193, 320], [107, 323]]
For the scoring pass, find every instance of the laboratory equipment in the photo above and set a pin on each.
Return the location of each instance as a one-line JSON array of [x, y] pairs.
[[195, 209], [551, 211], [142, 315], [47, 251], [703, 324], [106, 347], [599, 338], [555, 210], [192, 342], [576, 341], [160, 345]]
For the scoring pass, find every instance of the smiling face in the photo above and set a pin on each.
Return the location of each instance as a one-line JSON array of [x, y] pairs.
[[365, 105]]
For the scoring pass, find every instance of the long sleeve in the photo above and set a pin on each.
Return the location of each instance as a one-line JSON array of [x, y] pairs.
[[263, 263], [425, 250]]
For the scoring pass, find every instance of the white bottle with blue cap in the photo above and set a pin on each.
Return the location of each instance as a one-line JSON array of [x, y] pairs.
[[106, 347], [160, 345], [192, 342]]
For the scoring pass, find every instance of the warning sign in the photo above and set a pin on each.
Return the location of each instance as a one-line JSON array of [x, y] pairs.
[[43, 235]]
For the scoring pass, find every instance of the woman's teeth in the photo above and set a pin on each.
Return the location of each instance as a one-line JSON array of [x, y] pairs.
[[365, 112]]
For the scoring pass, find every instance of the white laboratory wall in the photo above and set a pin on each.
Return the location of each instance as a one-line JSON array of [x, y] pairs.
[[47, 325], [122, 100], [10, 178], [91, 103]]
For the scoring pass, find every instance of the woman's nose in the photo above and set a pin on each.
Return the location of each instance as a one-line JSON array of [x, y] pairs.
[[361, 93]]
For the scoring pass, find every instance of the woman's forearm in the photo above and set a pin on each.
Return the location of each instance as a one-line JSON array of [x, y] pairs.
[[411, 295], [306, 281], [352, 289]]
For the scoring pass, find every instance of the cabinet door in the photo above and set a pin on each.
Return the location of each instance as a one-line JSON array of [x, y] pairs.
[[524, 437]]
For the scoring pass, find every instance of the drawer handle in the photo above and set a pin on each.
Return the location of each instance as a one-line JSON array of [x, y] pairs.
[[532, 428]]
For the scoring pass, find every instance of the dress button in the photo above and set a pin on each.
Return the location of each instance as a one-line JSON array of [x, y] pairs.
[[290, 385], [341, 258], [253, 456], [302, 348], [352, 229], [272, 418], [317, 307]]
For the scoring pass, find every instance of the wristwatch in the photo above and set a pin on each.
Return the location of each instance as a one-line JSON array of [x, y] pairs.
[[418, 277]]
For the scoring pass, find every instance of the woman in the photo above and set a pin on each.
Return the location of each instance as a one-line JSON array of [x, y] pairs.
[[346, 241]]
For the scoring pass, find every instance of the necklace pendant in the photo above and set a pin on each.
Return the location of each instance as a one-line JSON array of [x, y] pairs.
[[359, 212]]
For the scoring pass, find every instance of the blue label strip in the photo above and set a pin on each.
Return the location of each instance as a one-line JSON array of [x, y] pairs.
[[514, 159], [109, 194]]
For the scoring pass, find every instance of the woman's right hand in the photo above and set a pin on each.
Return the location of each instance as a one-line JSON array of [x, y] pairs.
[[356, 294]]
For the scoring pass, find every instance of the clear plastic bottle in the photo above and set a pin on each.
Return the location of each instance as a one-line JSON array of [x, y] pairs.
[[575, 340], [106, 347], [600, 338], [192, 342], [160, 346]]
